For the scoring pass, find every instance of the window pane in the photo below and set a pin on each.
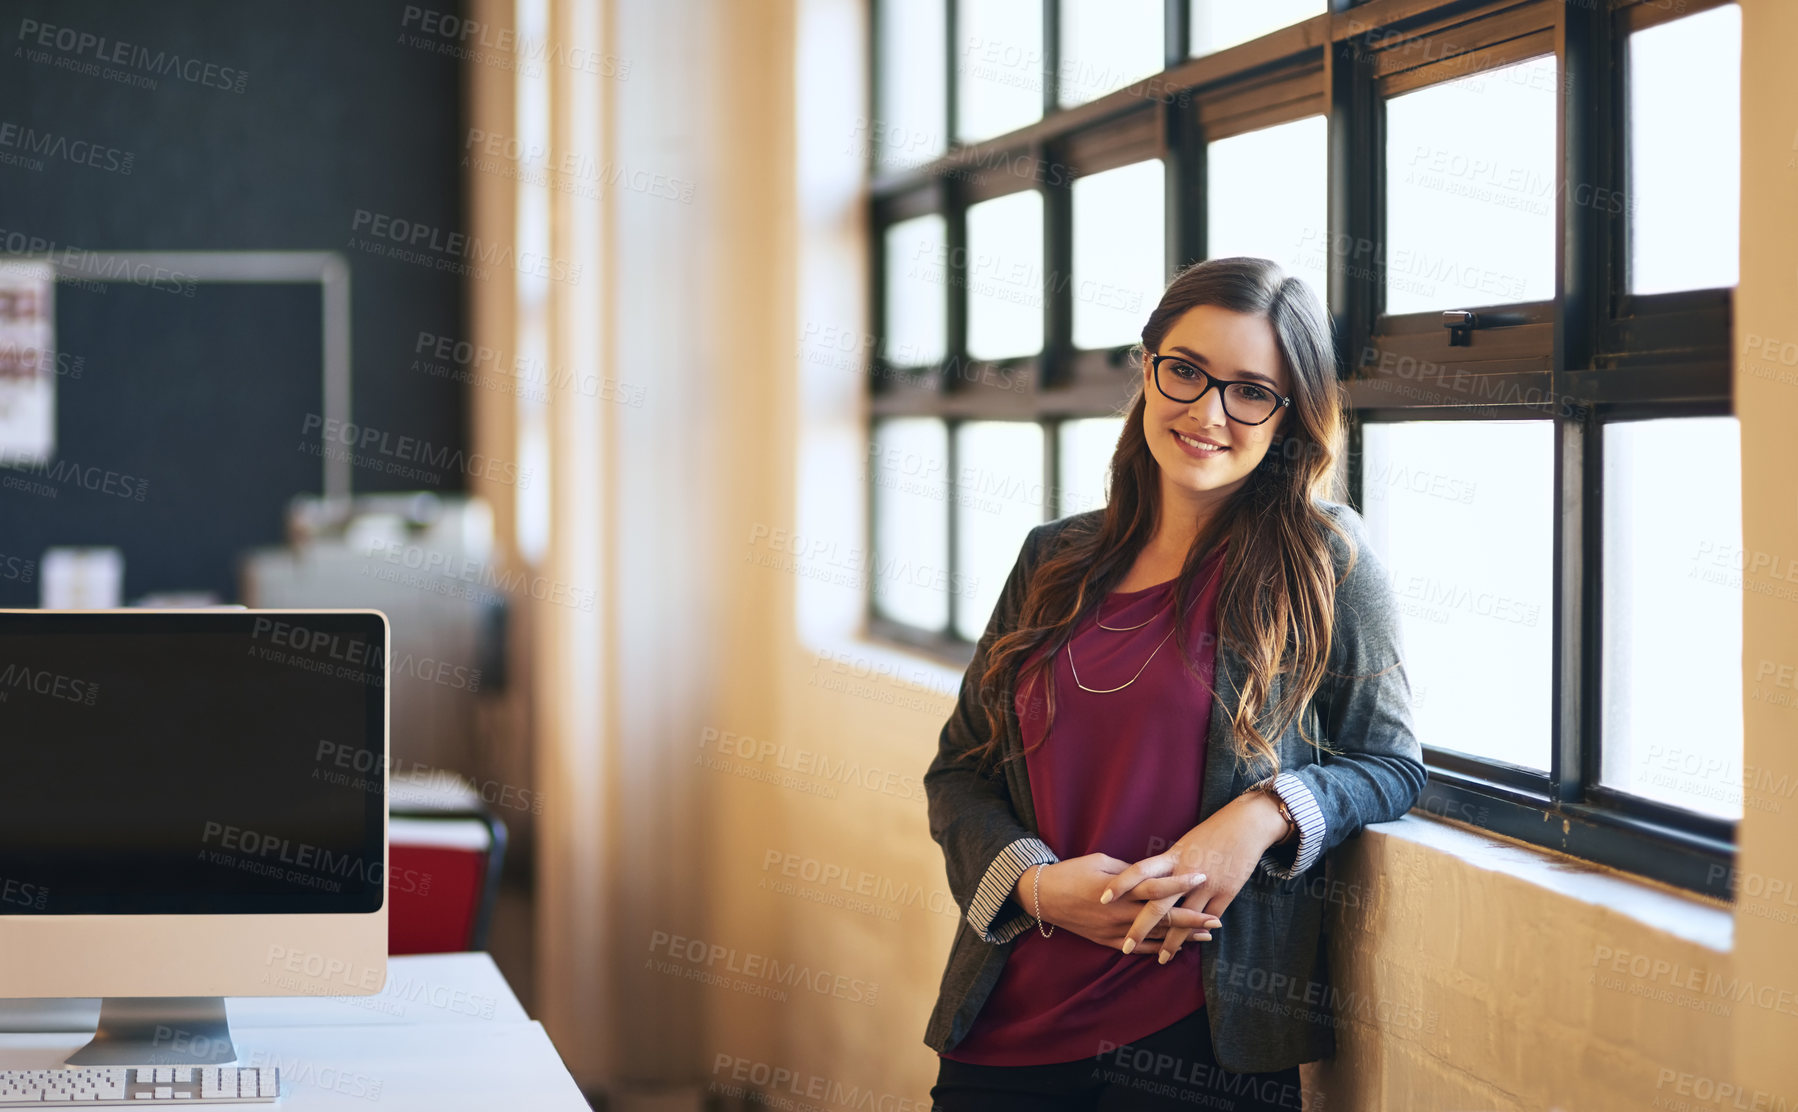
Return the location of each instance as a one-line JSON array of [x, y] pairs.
[[1685, 152], [1470, 190], [998, 497], [1106, 45], [913, 95], [1281, 216], [910, 477], [916, 268], [1673, 564], [1086, 446], [1005, 276], [998, 67], [1119, 264], [1217, 24], [1462, 515]]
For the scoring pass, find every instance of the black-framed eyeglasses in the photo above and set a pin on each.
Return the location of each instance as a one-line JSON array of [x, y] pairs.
[[1245, 402]]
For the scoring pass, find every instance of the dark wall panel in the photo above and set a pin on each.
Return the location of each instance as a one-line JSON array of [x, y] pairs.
[[247, 126]]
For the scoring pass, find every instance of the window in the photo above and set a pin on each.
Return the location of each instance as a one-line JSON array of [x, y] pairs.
[[1085, 463], [913, 89], [1118, 271], [1005, 276], [1249, 211], [998, 66], [1469, 168], [908, 465], [1106, 45], [998, 477], [1685, 152], [916, 270], [1672, 724], [1527, 314], [1462, 513], [1221, 24]]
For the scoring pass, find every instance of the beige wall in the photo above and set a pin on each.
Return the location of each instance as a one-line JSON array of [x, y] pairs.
[[1475, 978], [1767, 401], [715, 724]]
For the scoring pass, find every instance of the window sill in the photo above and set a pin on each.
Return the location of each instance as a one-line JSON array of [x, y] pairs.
[[861, 657], [1659, 907]]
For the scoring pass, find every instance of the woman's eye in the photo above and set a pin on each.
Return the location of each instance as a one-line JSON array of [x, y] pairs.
[[1186, 370], [1254, 394]]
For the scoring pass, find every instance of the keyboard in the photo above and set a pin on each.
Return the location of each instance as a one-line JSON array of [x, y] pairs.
[[136, 1086]]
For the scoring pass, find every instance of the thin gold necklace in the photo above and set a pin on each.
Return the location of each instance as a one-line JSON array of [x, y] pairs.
[[1145, 664], [1120, 687], [1124, 629]]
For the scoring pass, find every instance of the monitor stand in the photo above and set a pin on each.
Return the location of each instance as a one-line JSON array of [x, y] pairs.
[[159, 1031]]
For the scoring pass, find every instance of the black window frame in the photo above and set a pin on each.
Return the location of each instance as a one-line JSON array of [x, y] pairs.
[[1593, 355]]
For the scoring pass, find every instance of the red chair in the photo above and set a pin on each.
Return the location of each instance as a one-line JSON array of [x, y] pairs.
[[442, 878]]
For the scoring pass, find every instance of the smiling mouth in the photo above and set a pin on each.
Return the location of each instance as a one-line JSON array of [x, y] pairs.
[[1200, 446]]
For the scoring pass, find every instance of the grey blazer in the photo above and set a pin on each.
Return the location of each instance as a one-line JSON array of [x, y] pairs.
[[1267, 992]]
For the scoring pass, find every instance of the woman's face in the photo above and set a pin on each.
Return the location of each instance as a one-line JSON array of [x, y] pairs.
[[1204, 455]]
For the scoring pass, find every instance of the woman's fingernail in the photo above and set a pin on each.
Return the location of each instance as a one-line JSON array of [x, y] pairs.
[[1106, 898], [1196, 878], [1165, 954], [1129, 945], [1203, 936]]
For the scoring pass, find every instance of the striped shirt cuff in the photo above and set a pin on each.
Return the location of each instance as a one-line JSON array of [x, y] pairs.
[[1000, 881], [1296, 794]]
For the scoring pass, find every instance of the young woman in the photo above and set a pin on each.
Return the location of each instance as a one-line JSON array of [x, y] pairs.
[[1181, 701]]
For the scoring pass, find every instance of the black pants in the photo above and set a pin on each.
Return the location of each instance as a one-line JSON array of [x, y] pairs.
[[1171, 1069]]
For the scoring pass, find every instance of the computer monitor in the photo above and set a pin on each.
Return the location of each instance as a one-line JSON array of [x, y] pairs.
[[193, 805]]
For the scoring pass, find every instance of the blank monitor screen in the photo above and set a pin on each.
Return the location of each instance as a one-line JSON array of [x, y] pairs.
[[225, 762]]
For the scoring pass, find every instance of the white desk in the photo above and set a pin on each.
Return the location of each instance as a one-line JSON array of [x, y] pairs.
[[420, 989], [445, 1035]]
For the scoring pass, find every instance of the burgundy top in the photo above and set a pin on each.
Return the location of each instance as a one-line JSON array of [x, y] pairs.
[[1120, 775]]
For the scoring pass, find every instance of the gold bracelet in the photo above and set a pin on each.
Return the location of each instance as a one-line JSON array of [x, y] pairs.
[[1292, 826]]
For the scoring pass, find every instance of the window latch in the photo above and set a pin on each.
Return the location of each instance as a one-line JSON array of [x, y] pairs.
[[1460, 324]]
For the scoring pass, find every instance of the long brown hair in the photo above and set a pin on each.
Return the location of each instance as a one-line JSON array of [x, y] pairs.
[[1276, 599]]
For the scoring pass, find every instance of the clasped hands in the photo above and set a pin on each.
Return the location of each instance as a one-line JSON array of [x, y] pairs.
[[1154, 905]]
